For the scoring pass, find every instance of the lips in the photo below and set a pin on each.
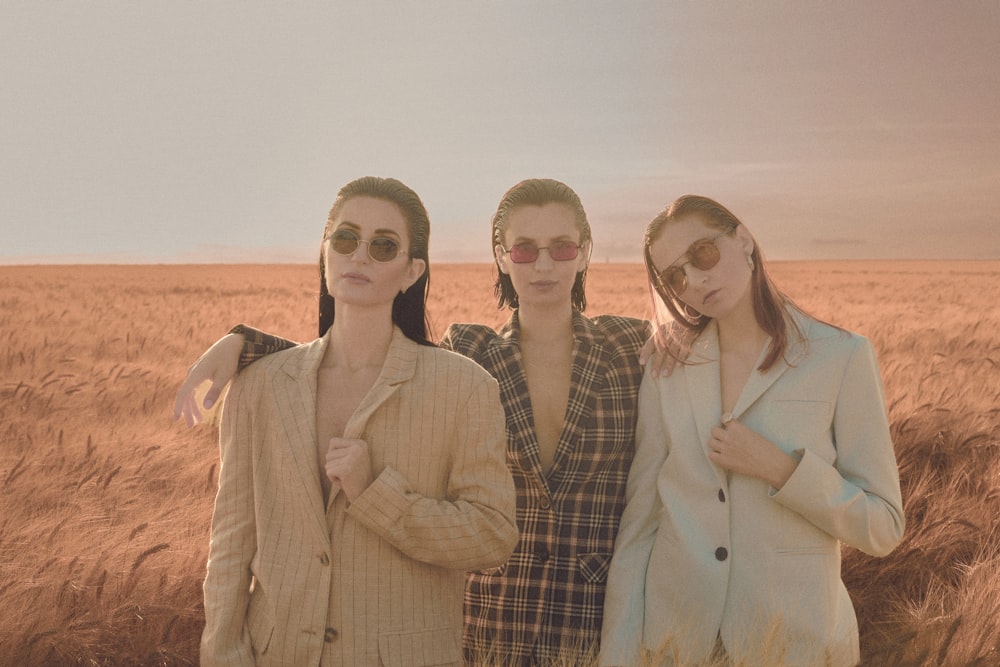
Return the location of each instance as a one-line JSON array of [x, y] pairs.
[[356, 277], [709, 296]]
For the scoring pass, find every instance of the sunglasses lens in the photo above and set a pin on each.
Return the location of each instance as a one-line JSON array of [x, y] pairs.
[[344, 242], [522, 253], [675, 278], [382, 249], [562, 252], [704, 254]]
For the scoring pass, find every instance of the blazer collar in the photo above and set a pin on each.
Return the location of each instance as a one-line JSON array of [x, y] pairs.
[[295, 392], [702, 375], [590, 365]]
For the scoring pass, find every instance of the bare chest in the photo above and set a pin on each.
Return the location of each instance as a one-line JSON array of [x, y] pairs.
[[548, 370], [734, 371], [339, 392]]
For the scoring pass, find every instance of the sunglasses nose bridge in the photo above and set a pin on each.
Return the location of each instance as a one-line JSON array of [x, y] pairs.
[[547, 262]]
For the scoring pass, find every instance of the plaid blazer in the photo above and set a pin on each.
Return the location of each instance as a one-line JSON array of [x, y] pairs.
[[548, 599]]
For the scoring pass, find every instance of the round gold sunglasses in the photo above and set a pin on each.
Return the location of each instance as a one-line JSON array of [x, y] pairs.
[[380, 249], [703, 255]]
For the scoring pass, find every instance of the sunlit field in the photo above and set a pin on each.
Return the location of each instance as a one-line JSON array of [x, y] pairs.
[[105, 502]]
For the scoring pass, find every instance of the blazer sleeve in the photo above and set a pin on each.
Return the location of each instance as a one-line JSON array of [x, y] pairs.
[[233, 541], [258, 344], [625, 597], [857, 499], [474, 526]]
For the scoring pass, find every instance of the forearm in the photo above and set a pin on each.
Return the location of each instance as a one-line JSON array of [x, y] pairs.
[[456, 534]]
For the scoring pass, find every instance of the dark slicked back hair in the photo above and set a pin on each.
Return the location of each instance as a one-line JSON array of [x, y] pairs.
[[770, 305], [537, 192], [409, 309]]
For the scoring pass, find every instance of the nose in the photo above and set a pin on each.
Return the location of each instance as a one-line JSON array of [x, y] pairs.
[[361, 252], [544, 261]]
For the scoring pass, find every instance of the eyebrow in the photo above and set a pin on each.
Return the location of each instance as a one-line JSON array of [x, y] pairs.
[[529, 239], [378, 232]]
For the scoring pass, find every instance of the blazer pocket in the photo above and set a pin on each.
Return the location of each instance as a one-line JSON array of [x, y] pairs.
[[799, 407], [421, 648], [593, 567], [260, 625]]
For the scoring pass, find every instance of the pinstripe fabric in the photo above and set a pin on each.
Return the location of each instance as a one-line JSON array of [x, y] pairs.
[[378, 582], [548, 597]]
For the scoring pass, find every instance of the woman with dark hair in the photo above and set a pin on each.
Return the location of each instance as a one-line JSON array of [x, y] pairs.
[[569, 385], [350, 503], [765, 449]]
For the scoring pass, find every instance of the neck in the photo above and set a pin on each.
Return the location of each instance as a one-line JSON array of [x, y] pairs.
[[359, 338], [740, 333], [545, 324]]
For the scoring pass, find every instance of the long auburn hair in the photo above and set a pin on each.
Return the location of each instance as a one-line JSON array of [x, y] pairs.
[[409, 308], [770, 305], [537, 192]]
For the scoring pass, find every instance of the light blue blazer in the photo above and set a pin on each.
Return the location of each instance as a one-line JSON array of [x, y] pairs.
[[704, 556]]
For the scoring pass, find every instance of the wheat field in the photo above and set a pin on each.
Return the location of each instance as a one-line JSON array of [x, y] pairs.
[[105, 502]]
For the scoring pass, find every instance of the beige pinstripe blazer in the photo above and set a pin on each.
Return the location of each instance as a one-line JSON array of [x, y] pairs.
[[378, 581]]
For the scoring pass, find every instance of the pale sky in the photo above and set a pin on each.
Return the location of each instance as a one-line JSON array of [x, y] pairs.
[[189, 131]]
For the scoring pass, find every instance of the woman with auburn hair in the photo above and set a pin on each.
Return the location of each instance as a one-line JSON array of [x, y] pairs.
[[765, 449], [569, 385], [350, 503]]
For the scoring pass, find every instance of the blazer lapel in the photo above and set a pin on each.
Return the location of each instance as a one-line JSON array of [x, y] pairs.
[[295, 394], [502, 358], [705, 385], [590, 365], [758, 382], [400, 365]]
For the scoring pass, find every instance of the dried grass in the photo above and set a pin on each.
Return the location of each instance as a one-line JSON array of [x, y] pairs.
[[105, 503]]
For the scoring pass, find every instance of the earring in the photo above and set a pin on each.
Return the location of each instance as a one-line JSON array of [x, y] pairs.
[[690, 314]]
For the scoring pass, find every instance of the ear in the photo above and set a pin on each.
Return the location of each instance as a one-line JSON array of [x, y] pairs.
[[415, 269], [746, 241], [502, 259], [583, 259]]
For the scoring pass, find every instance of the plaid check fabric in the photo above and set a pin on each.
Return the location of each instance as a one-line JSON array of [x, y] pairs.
[[547, 601]]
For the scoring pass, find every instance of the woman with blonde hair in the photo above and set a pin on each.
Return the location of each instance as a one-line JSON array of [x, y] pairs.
[[765, 450]]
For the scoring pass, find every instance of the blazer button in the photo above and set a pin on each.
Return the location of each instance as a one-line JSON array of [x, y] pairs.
[[542, 555], [545, 503], [722, 496], [324, 559], [330, 635], [721, 553]]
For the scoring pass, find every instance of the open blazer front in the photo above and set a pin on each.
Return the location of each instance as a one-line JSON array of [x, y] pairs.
[[550, 594], [703, 554], [378, 581]]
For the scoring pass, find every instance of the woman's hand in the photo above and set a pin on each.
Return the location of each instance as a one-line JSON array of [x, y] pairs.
[[663, 350], [349, 466], [740, 449], [659, 360], [218, 364]]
